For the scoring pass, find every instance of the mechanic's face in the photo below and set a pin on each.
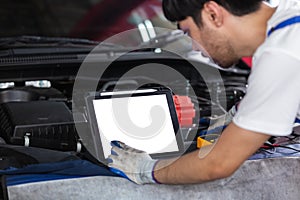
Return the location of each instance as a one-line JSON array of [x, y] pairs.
[[225, 37], [218, 47], [215, 43]]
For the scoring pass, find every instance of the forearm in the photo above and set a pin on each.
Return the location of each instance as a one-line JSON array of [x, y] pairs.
[[232, 149], [189, 168]]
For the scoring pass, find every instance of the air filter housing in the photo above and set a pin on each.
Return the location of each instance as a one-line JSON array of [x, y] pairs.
[[42, 124]]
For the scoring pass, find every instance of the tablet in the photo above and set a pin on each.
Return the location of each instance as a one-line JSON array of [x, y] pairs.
[[144, 119]]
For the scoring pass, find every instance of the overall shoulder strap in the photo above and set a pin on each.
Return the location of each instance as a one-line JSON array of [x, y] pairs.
[[285, 23]]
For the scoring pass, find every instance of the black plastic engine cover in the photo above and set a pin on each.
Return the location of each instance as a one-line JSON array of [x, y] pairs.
[[44, 124]]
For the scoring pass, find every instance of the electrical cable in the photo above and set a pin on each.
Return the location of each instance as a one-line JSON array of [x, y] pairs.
[[273, 146]]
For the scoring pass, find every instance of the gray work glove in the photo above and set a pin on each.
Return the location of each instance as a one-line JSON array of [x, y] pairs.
[[131, 163], [224, 119]]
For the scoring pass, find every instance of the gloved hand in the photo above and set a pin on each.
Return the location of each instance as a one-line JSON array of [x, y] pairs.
[[217, 125], [225, 119], [131, 163]]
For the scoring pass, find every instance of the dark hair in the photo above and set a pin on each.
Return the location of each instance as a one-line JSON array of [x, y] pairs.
[[177, 10]]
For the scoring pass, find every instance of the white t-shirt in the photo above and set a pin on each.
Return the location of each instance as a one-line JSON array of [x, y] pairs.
[[272, 102]]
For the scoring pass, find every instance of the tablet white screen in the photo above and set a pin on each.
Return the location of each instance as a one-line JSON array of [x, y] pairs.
[[142, 122]]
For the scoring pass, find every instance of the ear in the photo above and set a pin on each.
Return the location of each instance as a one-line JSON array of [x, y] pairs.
[[214, 13]]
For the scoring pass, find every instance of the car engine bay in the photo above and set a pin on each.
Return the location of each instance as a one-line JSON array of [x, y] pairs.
[[36, 97]]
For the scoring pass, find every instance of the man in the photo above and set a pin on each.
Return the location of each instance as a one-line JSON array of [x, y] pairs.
[[229, 30]]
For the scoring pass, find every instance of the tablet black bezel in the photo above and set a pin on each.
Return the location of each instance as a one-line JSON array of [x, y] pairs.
[[96, 133]]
